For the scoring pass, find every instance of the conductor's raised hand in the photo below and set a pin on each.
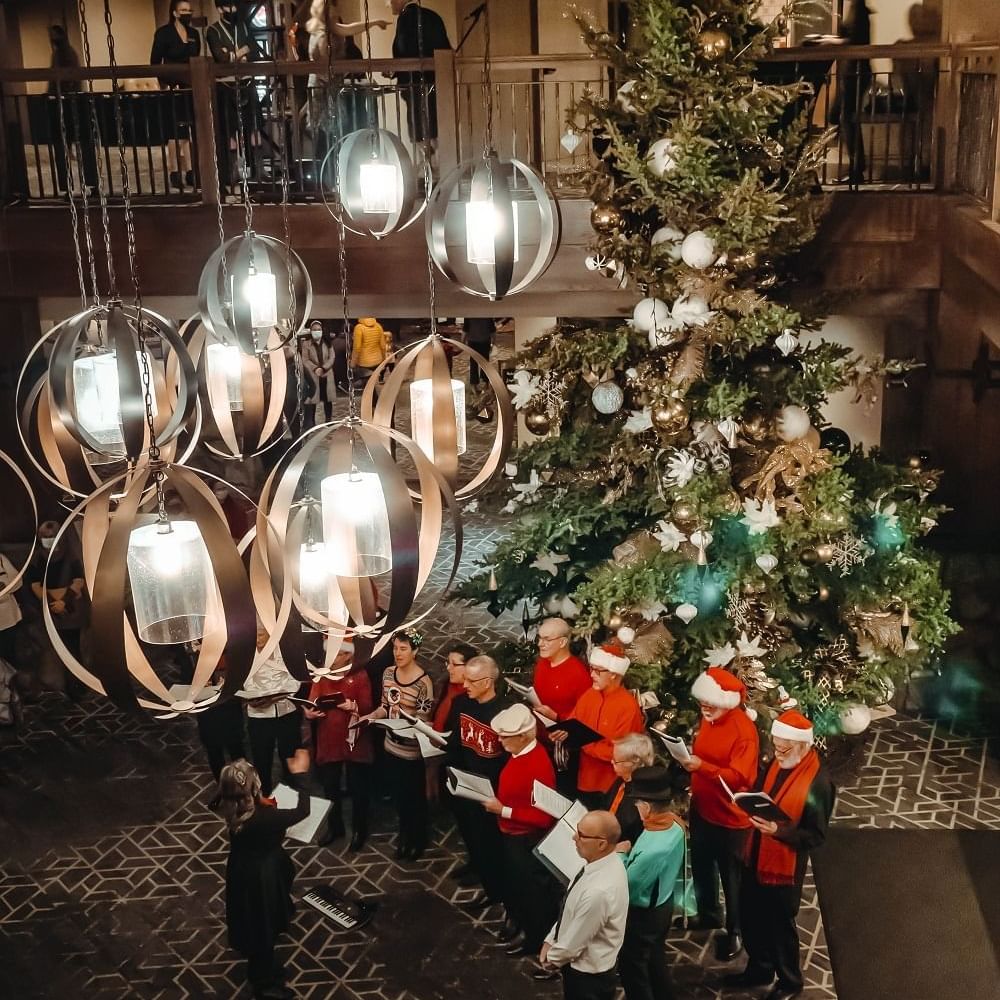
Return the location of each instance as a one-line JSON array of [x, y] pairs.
[[298, 763]]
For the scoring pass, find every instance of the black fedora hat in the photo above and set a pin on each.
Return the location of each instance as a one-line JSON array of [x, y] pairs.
[[651, 784]]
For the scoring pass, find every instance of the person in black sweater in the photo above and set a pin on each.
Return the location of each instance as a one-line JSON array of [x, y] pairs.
[[775, 855], [419, 31], [474, 746], [175, 44], [259, 872]]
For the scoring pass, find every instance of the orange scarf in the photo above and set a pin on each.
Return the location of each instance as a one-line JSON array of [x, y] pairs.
[[776, 859], [617, 800]]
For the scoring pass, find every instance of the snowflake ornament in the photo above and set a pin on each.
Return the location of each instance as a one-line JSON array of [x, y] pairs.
[[849, 551], [548, 562], [759, 515], [652, 610], [738, 610], [750, 649]]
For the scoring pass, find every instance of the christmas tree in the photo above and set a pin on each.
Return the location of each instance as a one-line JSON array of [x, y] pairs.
[[685, 493]]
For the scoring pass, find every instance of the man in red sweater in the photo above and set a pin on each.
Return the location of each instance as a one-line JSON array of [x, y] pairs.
[[725, 746], [560, 677], [609, 709], [531, 895]]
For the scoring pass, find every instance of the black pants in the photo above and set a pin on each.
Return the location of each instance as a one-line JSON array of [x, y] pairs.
[[589, 985], [409, 791], [484, 843], [475, 371], [220, 730], [79, 129], [769, 932], [266, 735], [8, 644], [265, 969], [358, 789], [413, 98], [530, 893], [642, 962], [714, 857]]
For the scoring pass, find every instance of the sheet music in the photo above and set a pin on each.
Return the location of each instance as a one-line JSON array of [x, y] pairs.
[[676, 747], [465, 785], [526, 691], [548, 723], [305, 829], [427, 747], [549, 800]]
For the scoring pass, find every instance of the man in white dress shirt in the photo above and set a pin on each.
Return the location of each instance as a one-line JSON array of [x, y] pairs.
[[584, 942]]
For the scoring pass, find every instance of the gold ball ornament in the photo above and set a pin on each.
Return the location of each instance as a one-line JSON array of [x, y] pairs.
[[605, 218], [670, 416], [824, 552], [537, 421], [809, 557], [823, 593], [744, 262], [917, 459], [615, 620], [756, 426], [684, 515], [714, 44], [732, 502]]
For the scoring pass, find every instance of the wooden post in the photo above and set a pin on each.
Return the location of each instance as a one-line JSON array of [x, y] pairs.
[[946, 115], [995, 188], [446, 86], [205, 135]]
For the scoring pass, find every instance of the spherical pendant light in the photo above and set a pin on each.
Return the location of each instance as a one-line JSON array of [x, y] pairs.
[[336, 525], [242, 395], [160, 580], [369, 182], [437, 409], [251, 284], [492, 227]]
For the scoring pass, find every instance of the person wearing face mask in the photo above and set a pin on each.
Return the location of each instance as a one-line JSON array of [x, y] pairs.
[[318, 358], [726, 745], [175, 43], [231, 40], [774, 857]]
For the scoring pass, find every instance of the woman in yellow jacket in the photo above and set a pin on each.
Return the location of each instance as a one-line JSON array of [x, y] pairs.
[[369, 350]]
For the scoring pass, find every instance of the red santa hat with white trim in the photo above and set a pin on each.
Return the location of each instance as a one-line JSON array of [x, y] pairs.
[[793, 725], [720, 688], [610, 656]]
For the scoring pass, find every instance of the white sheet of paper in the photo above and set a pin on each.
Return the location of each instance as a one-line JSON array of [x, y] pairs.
[[676, 748], [419, 726], [549, 800], [399, 726], [464, 785], [548, 723], [558, 849], [305, 829], [526, 691], [427, 747]]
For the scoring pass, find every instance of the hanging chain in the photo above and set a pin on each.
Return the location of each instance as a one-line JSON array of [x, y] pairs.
[[425, 117], [102, 182], [348, 332], [73, 216], [87, 235], [369, 69], [487, 80], [285, 224], [220, 223]]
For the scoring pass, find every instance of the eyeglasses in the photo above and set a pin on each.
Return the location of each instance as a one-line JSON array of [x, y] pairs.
[[599, 670], [587, 836], [475, 680], [550, 638]]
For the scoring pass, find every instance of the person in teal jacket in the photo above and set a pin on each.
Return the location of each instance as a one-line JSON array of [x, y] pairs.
[[653, 865]]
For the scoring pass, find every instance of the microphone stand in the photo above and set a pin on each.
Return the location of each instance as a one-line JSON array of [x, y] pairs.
[[475, 17]]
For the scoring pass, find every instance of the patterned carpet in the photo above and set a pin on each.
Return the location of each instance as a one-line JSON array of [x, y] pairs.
[[111, 878]]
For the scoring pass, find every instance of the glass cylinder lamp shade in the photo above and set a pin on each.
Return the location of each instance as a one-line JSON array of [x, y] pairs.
[[356, 524], [486, 226], [170, 573], [492, 226], [225, 369], [381, 187], [422, 414], [97, 395]]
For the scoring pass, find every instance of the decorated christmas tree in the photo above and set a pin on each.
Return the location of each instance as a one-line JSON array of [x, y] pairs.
[[685, 491]]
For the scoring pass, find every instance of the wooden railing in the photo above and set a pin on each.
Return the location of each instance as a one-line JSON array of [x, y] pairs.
[[917, 117]]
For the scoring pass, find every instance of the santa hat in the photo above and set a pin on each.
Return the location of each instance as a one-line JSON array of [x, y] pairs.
[[610, 656], [793, 725], [719, 688]]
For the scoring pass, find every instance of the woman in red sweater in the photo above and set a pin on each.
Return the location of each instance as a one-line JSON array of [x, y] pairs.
[[531, 895], [725, 746]]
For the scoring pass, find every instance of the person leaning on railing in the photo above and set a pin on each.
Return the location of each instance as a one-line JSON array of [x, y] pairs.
[[175, 44]]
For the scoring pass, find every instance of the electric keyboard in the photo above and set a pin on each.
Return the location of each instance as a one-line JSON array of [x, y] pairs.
[[349, 914]]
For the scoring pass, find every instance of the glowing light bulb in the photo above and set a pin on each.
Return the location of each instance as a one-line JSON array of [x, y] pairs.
[[225, 373], [422, 414], [484, 225], [381, 187], [260, 292]]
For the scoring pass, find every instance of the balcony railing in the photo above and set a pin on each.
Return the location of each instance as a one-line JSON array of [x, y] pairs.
[[914, 117]]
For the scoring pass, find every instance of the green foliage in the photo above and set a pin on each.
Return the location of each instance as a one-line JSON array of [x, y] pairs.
[[846, 531]]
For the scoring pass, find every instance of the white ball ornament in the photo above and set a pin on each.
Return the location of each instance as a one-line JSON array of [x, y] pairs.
[[792, 423], [622, 98], [766, 561], [698, 250], [650, 314], [607, 397], [661, 157], [625, 635], [855, 719], [686, 612], [672, 237]]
